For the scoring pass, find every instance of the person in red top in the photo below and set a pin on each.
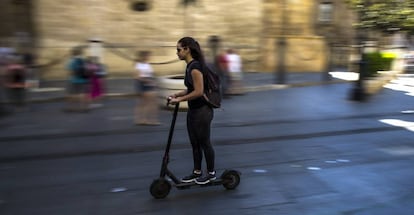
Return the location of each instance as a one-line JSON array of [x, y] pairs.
[[15, 81], [223, 70]]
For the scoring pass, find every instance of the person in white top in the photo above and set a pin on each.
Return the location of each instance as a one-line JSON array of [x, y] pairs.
[[146, 110], [235, 70]]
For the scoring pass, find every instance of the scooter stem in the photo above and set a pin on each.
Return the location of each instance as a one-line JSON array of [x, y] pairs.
[[165, 159]]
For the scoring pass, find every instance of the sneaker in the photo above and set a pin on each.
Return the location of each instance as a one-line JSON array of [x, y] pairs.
[[191, 178], [211, 176]]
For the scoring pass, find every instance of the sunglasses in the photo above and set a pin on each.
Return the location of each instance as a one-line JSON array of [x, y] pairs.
[[179, 49]]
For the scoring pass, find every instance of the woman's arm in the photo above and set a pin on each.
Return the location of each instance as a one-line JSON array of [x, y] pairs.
[[181, 93], [198, 91]]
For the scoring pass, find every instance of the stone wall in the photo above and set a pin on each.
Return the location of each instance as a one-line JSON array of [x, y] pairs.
[[16, 24], [249, 27]]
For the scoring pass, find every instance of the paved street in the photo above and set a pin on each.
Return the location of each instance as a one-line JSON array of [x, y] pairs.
[[301, 150]]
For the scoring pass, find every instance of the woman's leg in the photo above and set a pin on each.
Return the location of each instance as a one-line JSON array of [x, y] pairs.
[[204, 136], [139, 109], [146, 107], [154, 108], [192, 134], [198, 125]]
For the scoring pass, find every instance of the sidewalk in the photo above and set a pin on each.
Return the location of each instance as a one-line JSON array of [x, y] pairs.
[[254, 81]]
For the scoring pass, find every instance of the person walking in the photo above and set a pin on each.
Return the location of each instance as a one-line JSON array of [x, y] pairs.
[[94, 69], [79, 81], [5, 60], [223, 68], [199, 115], [146, 110], [235, 71], [16, 74]]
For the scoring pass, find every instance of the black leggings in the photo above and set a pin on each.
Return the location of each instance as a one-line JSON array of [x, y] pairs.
[[198, 127]]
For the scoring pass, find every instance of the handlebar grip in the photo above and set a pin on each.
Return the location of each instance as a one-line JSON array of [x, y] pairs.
[[168, 100]]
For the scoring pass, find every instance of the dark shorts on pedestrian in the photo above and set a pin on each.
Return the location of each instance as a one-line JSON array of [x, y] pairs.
[[77, 88], [142, 87]]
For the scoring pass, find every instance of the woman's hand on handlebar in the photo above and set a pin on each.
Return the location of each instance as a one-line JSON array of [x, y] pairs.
[[173, 99]]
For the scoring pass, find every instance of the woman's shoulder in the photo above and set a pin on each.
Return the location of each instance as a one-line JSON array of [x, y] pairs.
[[195, 64]]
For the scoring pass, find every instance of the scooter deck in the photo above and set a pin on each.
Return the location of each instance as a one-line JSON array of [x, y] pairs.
[[183, 185]]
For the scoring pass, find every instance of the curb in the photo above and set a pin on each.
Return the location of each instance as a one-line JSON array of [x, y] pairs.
[[129, 95]]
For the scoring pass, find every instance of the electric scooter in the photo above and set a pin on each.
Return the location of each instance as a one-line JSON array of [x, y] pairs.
[[161, 186]]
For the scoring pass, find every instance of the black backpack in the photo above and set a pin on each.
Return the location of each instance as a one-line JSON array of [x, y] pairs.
[[79, 69], [212, 88]]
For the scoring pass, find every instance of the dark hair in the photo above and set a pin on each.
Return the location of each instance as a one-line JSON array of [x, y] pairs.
[[141, 55], [76, 51], [195, 49]]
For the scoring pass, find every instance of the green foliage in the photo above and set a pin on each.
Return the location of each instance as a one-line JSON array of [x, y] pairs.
[[377, 61], [385, 15]]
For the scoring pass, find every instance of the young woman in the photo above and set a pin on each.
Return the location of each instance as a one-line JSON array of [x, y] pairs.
[[146, 111], [199, 115]]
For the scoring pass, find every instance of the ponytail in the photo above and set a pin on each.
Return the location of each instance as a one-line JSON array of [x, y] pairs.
[[195, 49]]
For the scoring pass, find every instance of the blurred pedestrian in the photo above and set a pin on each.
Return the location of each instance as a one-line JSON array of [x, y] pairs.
[[15, 82], [78, 83], [146, 110], [223, 70], [29, 63], [4, 61], [199, 114], [96, 73], [235, 71]]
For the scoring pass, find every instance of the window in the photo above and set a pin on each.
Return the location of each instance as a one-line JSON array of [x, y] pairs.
[[140, 5], [325, 12]]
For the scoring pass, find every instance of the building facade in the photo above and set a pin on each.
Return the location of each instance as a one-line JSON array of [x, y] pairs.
[[115, 30]]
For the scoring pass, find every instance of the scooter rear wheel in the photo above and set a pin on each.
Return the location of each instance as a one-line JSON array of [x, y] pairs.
[[231, 179], [160, 188]]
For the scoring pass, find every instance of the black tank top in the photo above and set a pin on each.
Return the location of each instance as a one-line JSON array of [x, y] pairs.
[[188, 82]]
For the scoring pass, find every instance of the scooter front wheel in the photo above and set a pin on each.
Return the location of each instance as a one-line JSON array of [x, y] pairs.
[[231, 179], [160, 188]]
